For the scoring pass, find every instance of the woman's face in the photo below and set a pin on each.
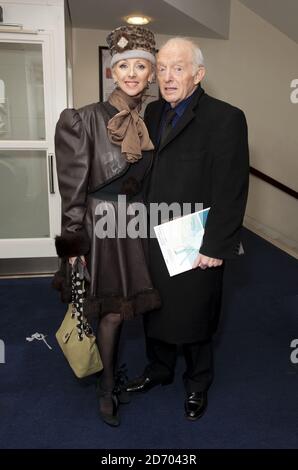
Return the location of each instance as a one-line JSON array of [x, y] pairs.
[[132, 75]]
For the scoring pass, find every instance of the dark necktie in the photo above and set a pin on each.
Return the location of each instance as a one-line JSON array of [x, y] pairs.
[[167, 125]]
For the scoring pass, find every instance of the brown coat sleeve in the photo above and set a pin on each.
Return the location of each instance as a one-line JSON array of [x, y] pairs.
[[73, 165]]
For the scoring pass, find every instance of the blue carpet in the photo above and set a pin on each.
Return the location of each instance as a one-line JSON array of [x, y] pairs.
[[252, 402]]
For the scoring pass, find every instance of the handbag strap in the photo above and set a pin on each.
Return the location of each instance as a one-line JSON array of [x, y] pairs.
[[77, 300], [79, 275]]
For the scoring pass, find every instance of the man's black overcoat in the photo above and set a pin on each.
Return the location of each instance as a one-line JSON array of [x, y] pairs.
[[205, 160]]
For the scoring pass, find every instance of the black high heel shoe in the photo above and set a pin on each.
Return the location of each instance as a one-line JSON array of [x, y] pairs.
[[112, 419]]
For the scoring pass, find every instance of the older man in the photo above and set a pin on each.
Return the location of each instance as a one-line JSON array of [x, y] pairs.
[[201, 157]]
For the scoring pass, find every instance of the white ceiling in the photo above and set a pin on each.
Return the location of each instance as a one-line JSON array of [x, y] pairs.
[[181, 17], [197, 18]]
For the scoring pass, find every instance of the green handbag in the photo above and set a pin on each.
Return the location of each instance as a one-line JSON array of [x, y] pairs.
[[75, 335]]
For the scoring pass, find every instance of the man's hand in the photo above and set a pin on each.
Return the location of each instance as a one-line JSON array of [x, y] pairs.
[[204, 262]]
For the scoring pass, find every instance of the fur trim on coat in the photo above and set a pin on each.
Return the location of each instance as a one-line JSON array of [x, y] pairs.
[[72, 244]]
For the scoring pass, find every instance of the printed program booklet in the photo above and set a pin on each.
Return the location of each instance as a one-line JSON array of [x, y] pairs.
[[180, 240]]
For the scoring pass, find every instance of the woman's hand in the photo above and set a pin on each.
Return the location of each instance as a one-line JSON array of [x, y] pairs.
[[73, 258]]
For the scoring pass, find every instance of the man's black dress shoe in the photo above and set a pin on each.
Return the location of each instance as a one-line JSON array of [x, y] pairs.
[[143, 384], [195, 405]]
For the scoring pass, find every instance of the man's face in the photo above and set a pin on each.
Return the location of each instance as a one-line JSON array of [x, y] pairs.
[[175, 73]]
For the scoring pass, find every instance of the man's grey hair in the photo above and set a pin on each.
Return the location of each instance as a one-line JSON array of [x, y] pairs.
[[198, 58]]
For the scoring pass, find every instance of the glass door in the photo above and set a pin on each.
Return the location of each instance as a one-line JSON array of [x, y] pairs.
[[29, 200]]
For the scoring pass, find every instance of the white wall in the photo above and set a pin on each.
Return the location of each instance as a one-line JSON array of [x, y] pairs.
[[68, 56], [253, 69]]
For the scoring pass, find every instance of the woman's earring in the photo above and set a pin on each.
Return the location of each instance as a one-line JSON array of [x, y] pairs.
[[116, 83]]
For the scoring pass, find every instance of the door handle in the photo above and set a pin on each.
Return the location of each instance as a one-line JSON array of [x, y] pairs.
[[51, 173]]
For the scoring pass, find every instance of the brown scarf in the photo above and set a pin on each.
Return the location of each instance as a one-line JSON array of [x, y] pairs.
[[127, 129]]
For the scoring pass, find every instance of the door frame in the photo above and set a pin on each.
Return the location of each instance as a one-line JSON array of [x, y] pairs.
[[38, 247]]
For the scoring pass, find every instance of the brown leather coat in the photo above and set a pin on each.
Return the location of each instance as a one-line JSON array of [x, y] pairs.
[[86, 162]]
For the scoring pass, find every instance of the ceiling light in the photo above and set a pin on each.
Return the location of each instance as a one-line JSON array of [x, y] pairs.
[[137, 20]]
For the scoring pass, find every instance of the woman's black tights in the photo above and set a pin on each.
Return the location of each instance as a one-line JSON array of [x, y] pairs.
[[108, 336]]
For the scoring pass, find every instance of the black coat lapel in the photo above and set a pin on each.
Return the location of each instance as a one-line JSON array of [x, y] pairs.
[[187, 116], [153, 121]]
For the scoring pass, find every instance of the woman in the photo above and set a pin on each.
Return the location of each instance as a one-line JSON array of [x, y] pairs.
[[103, 150]]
